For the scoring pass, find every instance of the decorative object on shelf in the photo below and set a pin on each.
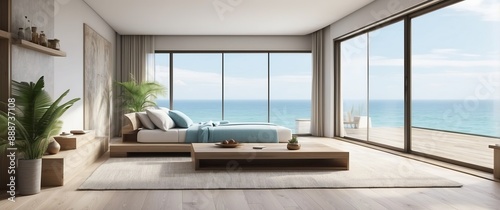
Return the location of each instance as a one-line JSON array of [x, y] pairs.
[[65, 134], [36, 122], [27, 29], [54, 44], [43, 40], [293, 144], [77, 132], [34, 35], [53, 147], [20, 33]]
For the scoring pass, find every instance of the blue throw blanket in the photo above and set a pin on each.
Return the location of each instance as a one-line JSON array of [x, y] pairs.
[[241, 132]]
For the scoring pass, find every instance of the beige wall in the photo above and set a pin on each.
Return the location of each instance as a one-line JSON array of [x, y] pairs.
[[228, 43], [68, 72]]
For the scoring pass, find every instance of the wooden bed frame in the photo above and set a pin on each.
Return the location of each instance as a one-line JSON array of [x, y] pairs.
[[121, 147]]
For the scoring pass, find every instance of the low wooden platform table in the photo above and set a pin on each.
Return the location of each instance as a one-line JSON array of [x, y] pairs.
[[275, 156]]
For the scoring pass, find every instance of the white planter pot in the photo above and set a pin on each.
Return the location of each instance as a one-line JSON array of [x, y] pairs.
[[29, 176]]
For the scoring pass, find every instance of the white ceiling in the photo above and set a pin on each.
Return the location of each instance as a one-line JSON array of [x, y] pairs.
[[222, 17]]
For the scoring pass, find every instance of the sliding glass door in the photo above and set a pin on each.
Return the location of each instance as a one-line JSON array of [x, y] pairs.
[[445, 61], [456, 80], [386, 85], [372, 70], [354, 71]]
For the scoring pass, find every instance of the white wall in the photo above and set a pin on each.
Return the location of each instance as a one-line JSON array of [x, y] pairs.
[[228, 43], [70, 15], [369, 14]]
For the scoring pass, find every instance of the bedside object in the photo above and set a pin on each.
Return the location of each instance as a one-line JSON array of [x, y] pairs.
[[77, 132], [65, 134]]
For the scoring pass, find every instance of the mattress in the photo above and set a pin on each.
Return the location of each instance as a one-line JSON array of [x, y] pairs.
[[178, 135], [173, 135]]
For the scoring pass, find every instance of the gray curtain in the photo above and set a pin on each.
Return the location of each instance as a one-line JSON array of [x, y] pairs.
[[135, 55], [318, 87]]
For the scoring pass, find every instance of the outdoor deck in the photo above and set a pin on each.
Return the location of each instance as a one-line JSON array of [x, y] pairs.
[[461, 147]]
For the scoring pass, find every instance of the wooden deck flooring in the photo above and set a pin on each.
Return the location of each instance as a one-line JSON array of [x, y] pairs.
[[466, 148]]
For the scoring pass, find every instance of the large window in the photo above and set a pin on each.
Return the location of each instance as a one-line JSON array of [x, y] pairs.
[[197, 88], [239, 87], [245, 87], [162, 76], [290, 90], [450, 54]]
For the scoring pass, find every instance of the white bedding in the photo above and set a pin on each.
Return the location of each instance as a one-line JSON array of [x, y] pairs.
[[178, 135]]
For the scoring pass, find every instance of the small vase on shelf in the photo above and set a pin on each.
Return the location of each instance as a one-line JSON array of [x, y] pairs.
[[20, 33], [43, 39], [34, 35]]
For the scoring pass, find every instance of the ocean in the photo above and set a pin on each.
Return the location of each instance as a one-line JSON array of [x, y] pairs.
[[472, 117]]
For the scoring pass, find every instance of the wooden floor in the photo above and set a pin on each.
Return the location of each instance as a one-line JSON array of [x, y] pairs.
[[462, 147], [476, 193]]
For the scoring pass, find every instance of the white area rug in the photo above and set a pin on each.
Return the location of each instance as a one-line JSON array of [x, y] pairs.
[[178, 173]]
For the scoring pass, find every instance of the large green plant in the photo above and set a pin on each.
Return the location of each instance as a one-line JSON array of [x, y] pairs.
[[36, 118], [139, 96]]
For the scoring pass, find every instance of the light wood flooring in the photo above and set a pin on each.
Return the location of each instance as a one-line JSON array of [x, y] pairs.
[[476, 193], [470, 149]]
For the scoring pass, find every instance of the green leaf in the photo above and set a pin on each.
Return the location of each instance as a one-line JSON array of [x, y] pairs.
[[138, 97]]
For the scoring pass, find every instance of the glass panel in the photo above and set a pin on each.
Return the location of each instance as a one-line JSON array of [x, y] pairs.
[[162, 76], [456, 72], [354, 58], [245, 87], [386, 85], [198, 85], [291, 83]]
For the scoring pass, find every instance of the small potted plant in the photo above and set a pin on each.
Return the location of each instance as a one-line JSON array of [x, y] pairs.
[[293, 144]]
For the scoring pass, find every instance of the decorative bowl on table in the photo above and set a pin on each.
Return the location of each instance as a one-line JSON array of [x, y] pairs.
[[228, 144]]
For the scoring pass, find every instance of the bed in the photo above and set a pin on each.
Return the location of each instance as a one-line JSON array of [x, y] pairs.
[[172, 126]]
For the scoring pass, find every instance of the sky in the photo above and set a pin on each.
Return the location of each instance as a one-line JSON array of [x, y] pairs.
[[455, 55]]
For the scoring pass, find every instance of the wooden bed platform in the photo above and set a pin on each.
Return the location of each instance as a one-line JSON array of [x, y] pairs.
[[119, 148]]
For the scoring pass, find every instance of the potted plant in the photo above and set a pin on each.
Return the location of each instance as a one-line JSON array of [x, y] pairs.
[[139, 96], [293, 144], [36, 119]]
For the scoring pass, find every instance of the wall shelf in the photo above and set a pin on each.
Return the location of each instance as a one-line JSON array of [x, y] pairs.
[[4, 34], [39, 48]]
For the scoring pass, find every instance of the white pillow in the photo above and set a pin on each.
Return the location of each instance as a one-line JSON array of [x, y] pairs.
[[146, 122], [160, 118]]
